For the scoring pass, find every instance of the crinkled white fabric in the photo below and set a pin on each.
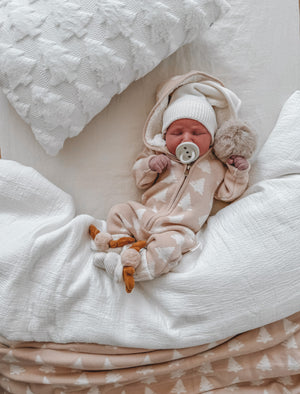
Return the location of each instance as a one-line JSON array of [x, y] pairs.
[[246, 273], [61, 62]]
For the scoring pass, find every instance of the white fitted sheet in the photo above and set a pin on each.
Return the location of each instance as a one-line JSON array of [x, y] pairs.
[[254, 49]]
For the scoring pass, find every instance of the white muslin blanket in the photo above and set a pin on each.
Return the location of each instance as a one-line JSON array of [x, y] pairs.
[[245, 274]]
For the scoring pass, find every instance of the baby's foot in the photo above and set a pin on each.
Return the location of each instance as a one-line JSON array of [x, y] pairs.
[[130, 258], [102, 241], [98, 260], [111, 262]]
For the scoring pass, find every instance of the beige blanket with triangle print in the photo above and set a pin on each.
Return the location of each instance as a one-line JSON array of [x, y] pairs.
[[265, 360]]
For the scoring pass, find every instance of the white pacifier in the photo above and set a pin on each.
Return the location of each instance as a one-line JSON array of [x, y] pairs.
[[187, 152]]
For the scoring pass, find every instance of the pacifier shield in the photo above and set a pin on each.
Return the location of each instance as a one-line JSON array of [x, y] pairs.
[[187, 152]]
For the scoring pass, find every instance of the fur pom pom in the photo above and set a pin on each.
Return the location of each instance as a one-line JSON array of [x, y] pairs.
[[234, 138], [102, 241]]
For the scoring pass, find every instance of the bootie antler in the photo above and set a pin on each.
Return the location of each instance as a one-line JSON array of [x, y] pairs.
[[128, 278], [93, 231], [104, 240]]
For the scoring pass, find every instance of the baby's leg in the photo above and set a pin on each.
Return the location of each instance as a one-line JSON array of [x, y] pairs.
[[127, 219], [118, 224], [164, 251], [119, 219]]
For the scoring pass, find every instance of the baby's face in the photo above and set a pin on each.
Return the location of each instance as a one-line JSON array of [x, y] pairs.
[[187, 130]]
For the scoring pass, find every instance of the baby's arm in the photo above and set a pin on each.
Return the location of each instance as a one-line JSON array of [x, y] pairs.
[[146, 168], [235, 180]]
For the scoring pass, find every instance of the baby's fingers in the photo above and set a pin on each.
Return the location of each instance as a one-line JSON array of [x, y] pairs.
[[241, 163], [168, 162], [159, 168], [163, 162]]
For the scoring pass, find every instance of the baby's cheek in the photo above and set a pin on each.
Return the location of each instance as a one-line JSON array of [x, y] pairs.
[[204, 142], [172, 144], [201, 144]]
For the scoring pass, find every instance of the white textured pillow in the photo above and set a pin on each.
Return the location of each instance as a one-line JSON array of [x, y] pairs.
[[61, 62]]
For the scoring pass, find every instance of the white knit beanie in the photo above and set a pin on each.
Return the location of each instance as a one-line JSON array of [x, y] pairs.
[[183, 105]]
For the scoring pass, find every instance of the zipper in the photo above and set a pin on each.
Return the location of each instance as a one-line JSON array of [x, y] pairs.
[[170, 206], [186, 173], [187, 170]]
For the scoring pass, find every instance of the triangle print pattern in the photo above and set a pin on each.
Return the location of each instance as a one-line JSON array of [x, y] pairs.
[[257, 361], [69, 48]]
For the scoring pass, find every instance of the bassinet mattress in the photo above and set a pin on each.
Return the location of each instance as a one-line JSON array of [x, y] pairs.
[[260, 361]]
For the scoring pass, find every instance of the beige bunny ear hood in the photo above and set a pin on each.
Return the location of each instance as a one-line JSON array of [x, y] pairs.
[[230, 135]]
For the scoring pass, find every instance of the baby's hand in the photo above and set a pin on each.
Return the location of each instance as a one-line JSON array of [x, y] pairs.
[[238, 162], [159, 163]]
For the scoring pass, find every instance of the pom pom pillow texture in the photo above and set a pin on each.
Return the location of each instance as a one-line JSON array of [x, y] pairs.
[[61, 62]]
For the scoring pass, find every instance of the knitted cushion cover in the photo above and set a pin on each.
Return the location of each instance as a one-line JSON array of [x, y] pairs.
[[61, 62]]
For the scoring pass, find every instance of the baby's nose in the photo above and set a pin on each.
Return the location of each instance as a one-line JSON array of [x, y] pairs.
[[186, 138]]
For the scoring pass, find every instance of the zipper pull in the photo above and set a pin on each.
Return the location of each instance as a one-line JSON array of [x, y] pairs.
[[187, 170]]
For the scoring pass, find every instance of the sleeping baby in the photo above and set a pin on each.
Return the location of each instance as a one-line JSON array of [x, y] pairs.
[[196, 150]]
